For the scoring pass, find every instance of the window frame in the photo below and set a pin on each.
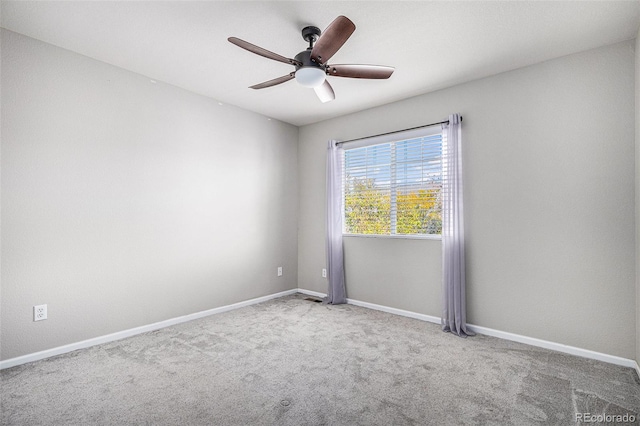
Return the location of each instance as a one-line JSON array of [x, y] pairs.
[[387, 139]]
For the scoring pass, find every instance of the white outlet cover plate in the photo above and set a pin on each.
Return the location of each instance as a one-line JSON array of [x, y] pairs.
[[40, 312]]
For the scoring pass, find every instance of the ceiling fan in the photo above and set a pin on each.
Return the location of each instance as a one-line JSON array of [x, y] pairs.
[[311, 64]]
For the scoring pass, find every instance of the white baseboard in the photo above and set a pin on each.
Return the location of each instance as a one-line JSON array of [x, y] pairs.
[[12, 362], [312, 293], [422, 317], [402, 312], [559, 347], [572, 350]]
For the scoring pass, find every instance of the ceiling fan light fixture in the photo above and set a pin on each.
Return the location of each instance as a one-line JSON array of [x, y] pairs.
[[310, 76]]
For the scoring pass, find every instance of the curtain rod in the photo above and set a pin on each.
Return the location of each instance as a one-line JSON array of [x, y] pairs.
[[395, 131]]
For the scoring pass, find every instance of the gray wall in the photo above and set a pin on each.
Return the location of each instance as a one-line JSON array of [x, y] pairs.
[[549, 163], [638, 197], [126, 202]]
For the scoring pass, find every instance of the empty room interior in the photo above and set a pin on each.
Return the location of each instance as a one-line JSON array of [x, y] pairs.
[[320, 212]]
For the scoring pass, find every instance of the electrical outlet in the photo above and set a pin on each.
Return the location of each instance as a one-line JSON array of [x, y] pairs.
[[40, 312], [324, 273], [279, 271]]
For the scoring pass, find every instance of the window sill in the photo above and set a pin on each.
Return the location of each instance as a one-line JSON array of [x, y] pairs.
[[401, 236]]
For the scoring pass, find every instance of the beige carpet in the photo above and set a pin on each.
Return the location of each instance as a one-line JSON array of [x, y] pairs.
[[294, 362]]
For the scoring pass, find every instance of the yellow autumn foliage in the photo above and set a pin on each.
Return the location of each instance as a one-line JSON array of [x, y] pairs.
[[368, 210]]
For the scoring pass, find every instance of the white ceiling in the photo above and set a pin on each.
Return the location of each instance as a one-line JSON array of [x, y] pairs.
[[432, 45]]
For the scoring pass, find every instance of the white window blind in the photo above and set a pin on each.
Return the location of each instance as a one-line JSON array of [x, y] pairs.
[[393, 188]]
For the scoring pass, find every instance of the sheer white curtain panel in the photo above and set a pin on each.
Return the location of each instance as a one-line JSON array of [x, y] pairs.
[[454, 318], [336, 292]]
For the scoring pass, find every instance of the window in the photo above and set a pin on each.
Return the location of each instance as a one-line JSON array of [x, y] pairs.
[[393, 188]]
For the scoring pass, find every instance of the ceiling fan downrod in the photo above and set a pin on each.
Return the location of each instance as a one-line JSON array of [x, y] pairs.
[[311, 34]]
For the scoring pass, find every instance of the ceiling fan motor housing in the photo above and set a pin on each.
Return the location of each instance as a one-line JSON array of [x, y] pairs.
[[304, 58]]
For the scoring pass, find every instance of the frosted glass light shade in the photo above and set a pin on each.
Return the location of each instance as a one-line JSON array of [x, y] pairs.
[[310, 76]]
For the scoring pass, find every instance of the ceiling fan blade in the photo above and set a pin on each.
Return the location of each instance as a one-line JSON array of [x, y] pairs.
[[332, 39], [360, 71], [325, 92], [262, 52], [273, 82]]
